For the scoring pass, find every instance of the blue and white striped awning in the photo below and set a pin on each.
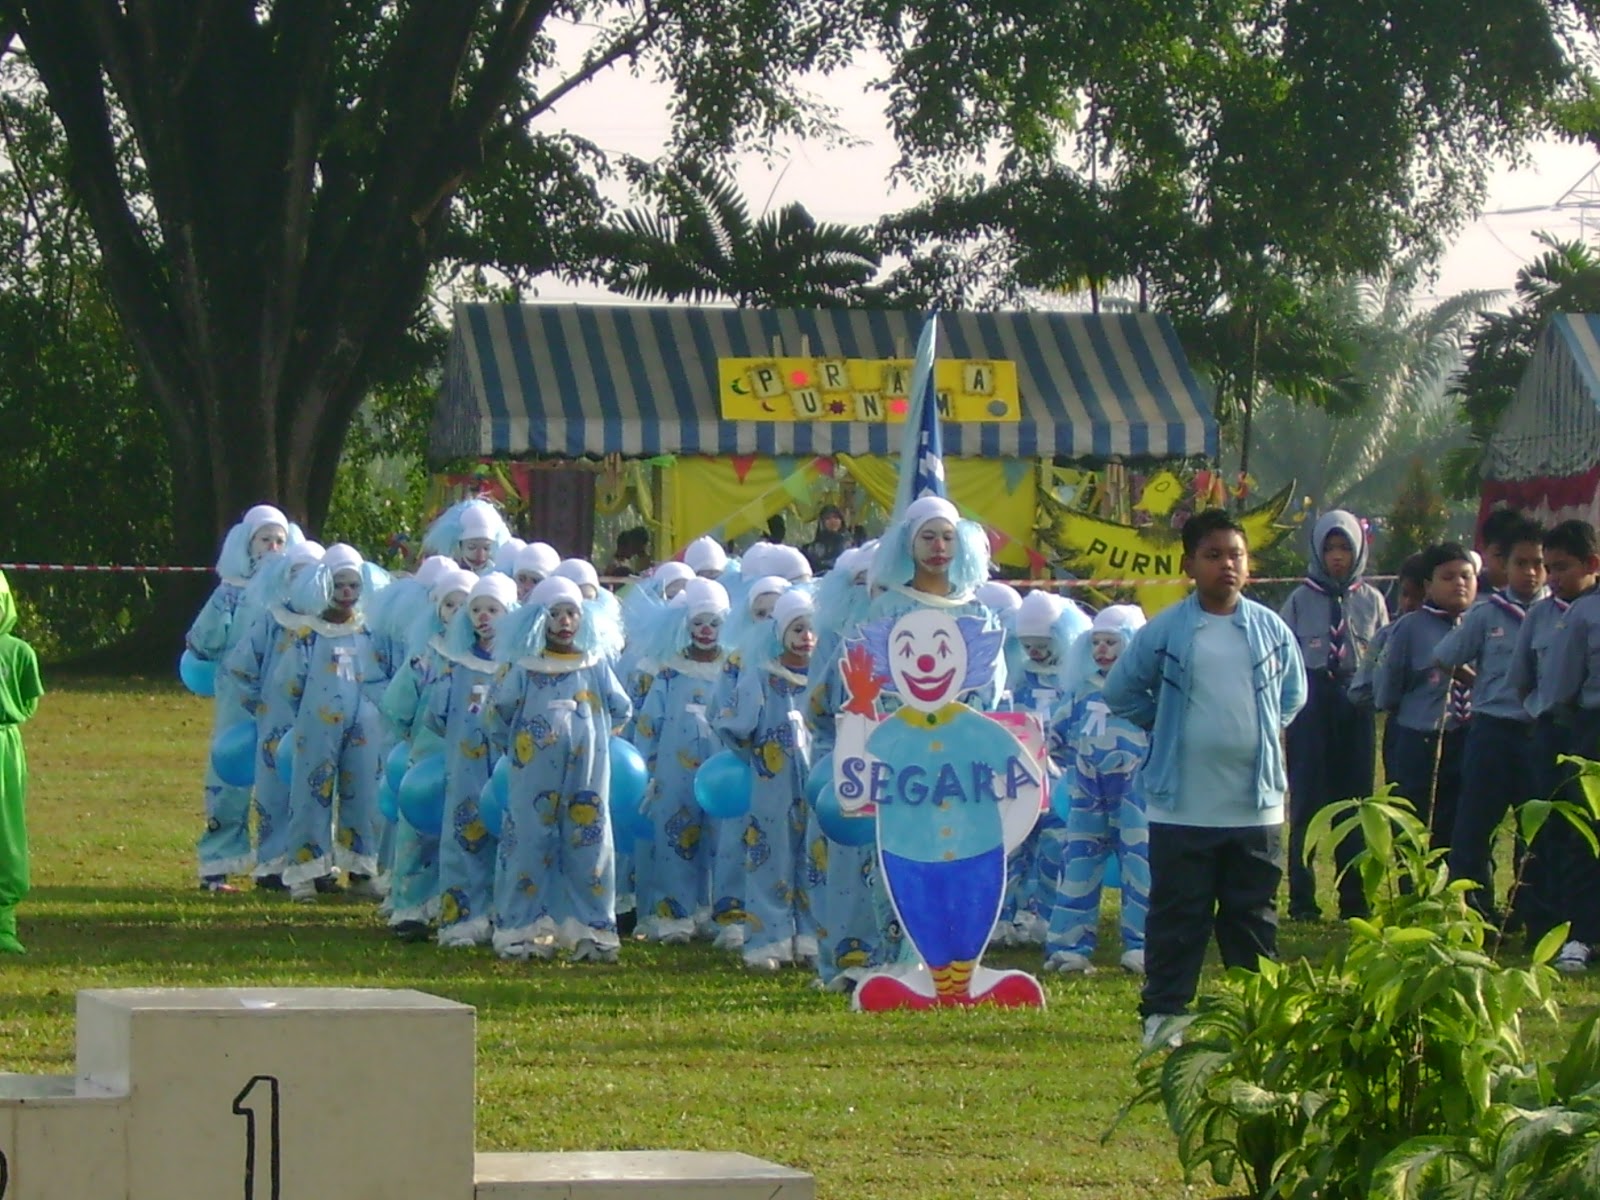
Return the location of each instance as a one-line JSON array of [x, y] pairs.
[[573, 380], [1552, 428]]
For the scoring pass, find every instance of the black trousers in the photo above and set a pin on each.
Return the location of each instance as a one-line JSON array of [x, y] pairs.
[[1202, 880], [1330, 748], [1414, 756], [1496, 774], [1573, 880]]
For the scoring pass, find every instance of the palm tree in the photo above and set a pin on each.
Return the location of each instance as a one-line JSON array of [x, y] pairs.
[[701, 244]]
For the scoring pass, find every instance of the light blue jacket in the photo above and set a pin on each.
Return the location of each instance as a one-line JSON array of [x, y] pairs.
[[1150, 686]]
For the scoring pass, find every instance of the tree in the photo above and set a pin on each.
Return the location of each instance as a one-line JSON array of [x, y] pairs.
[[1563, 279], [271, 184], [701, 243]]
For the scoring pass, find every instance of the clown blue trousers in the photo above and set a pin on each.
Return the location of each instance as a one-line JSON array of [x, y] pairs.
[[1106, 817], [334, 760], [672, 868], [251, 664], [455, 709], [224, 846], [414, 872]]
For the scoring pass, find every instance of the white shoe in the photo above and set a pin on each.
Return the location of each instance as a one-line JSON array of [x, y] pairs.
[[1573, 959], [1069, 962], [1153, 1032], [765, 965], [1133, 962], [729, 937], [677, 937], [304, 892], [587, 950], [366, 888]]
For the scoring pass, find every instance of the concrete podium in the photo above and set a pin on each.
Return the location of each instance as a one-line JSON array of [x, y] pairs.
[[300, 1094]]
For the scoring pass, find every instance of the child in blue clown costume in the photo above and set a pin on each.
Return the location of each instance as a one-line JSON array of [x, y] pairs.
[[644, 609], [1045, 627], [334, 675], [602, 608], [673, 732], [456, 709], [263, 532], [414, 878], [766, 726], [555, 710], [842, 881], [251, 664], [533, 565], [469, 532], [1100, 754]]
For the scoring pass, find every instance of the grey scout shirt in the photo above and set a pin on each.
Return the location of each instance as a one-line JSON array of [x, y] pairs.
[[1487, 638], [1408, 683], [1530, 673], [1575, 654]]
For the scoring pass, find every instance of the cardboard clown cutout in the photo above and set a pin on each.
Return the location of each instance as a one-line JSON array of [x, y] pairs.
[[952, 790]]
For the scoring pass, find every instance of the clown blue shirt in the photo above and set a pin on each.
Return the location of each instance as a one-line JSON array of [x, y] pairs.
[[1086, 727], [1036, 692]]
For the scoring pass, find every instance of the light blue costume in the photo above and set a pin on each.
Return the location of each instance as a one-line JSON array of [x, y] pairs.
[[462, 521], [337, 733], [1101, 754], [224, 847], [555, 882], [766, 726], [251, 663]]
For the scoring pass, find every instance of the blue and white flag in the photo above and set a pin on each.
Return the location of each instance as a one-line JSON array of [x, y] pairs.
[[922, 452]]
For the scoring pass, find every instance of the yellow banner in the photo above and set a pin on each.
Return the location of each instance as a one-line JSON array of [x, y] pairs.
[[862, 389]]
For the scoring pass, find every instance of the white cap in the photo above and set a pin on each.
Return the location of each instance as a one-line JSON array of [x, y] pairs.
[[497, 587], [791, 605], [671, 571], [578, 570], [706, 554], [1001, 597], [1039, 613], [767, 585], [432, 568], [302, 553], [789, 562], [537, 558], [851, 559], [556, 590], [264, 514], [1126, 619], [340, 557], [478, 520], [505, 558], [920, 512], [704, 596], [755, 561], [455, 579]]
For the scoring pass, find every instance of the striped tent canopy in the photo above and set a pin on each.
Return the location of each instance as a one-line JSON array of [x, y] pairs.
[[1552, 428], [573, 380]]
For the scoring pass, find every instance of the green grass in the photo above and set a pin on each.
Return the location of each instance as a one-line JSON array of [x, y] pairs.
[[672, 1048]]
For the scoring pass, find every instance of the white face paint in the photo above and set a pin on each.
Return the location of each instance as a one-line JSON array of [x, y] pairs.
[[934, 545], [269, 539], [346, 588], [799, 638], [1041, 651], [761, 607], [561, 626], [705, 630], [452, 601], [1106, 648], [526, 582], [927, 658], [485, 611], [474, 552], [674, 586]]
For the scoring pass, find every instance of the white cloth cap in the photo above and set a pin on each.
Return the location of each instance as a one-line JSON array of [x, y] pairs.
[[767, 585], [478, 520], [505, 558], [792, 605], [1001, 597], [704, 596], [263, 514], [1039, 613], [537, 558], [1126, 619], [456, 579], [756, 561], [706, 554], [302, 553], [667, 572], [497, 587], [558, 589], [340, 557], [579, 570], [920, 512], [789, 562]]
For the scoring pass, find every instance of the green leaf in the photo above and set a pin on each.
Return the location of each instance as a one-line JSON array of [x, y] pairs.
[[1550, 944]]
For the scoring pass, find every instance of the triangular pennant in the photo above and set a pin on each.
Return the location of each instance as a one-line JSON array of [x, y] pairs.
[[1015, 470], [742, 464]]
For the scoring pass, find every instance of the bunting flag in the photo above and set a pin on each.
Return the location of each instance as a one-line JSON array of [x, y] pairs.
[[922, 452]]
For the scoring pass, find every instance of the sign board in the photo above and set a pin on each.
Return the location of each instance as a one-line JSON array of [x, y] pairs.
[[862, 389]]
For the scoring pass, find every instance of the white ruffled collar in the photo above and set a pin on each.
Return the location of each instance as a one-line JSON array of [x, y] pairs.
[[545, 665], [356, 624], [930, 600], [484, 666], [694, 669]]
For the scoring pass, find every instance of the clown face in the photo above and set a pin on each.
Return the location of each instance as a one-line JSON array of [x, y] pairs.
[[485, 611], [705, 629], [1106, 648], [448, 606], [561, 626], [927, 658], [761, 606], [475, 553], [799, 638], [934, 546], [1041, 651], [346, 588], [269, 539], [526, 582]]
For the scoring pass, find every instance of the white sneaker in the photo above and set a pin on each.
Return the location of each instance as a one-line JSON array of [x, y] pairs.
[[729, 937], [1069, 962], [304, 892], [1153, 1026], [366, 888], [1573, 959], [764, 965], [587, 950], [1133, 962]]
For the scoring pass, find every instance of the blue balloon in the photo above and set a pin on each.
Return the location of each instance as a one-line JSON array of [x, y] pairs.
[[628, 781], [491, 806], [285, 758], [1060, 797], [722, 785], [233, 754], [500, 777], [421, 795], [198, 675], [1113, 874], [820, 775], [388, 803], [396, 765], [841, 827]]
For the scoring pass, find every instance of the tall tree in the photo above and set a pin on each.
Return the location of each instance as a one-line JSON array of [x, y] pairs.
[[270, 184]]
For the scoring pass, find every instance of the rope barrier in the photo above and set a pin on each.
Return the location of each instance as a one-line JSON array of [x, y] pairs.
[[98, 569]]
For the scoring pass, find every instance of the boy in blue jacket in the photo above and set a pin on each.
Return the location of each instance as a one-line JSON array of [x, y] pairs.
[[1215, 680]]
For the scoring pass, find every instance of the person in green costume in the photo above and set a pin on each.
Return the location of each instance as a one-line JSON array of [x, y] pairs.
[[20, 690]]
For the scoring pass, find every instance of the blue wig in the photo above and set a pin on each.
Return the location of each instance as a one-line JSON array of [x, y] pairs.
[[234, 563], [893, 566], [521, 633], [312, 591], [984, 647], [460, 638], [444, 535]]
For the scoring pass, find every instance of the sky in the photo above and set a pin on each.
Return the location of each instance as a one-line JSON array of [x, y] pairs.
[[850, 185]]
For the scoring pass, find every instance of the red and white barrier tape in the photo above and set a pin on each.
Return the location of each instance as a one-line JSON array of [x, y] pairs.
[[87, 569]]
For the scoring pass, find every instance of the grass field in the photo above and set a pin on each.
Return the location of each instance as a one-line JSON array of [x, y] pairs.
[[675, 1047]]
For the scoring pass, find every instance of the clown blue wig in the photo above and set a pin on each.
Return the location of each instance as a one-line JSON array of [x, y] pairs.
[[312, 590], [894, 566], [521, 633], [984, 647], [444, 535], [234, 563]]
